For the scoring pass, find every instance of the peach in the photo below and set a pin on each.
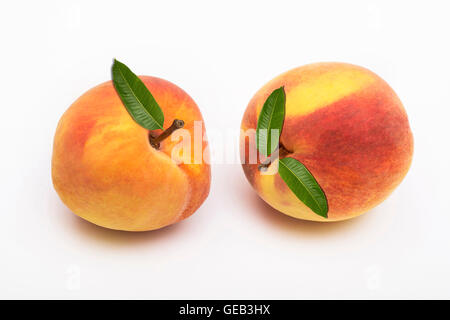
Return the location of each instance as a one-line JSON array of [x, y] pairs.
[[105, 170], [347, 126]]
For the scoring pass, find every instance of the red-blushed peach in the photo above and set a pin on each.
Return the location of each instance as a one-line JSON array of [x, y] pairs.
[[347, 126], [105, 170]]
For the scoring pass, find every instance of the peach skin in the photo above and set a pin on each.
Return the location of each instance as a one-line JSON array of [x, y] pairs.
[[347, 126], [105, 170]]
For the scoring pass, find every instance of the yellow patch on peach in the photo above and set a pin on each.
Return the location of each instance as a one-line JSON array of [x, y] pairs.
[[281, 197], [312, 87]]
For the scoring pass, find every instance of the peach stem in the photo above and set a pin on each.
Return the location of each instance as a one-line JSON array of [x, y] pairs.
[[155, 141], [282, 153]]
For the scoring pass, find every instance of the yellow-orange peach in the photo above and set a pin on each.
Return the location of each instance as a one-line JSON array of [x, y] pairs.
[[105, 170], [347, 126]]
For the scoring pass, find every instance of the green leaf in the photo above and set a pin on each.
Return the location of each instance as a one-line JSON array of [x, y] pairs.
[[137, 99], [271, 118], [304, 185]]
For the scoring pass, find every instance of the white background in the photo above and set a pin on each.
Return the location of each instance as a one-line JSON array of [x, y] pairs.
[[221, 53]]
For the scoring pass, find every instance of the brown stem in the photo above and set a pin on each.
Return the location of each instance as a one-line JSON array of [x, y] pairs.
[[155, 141], [282, 153]]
